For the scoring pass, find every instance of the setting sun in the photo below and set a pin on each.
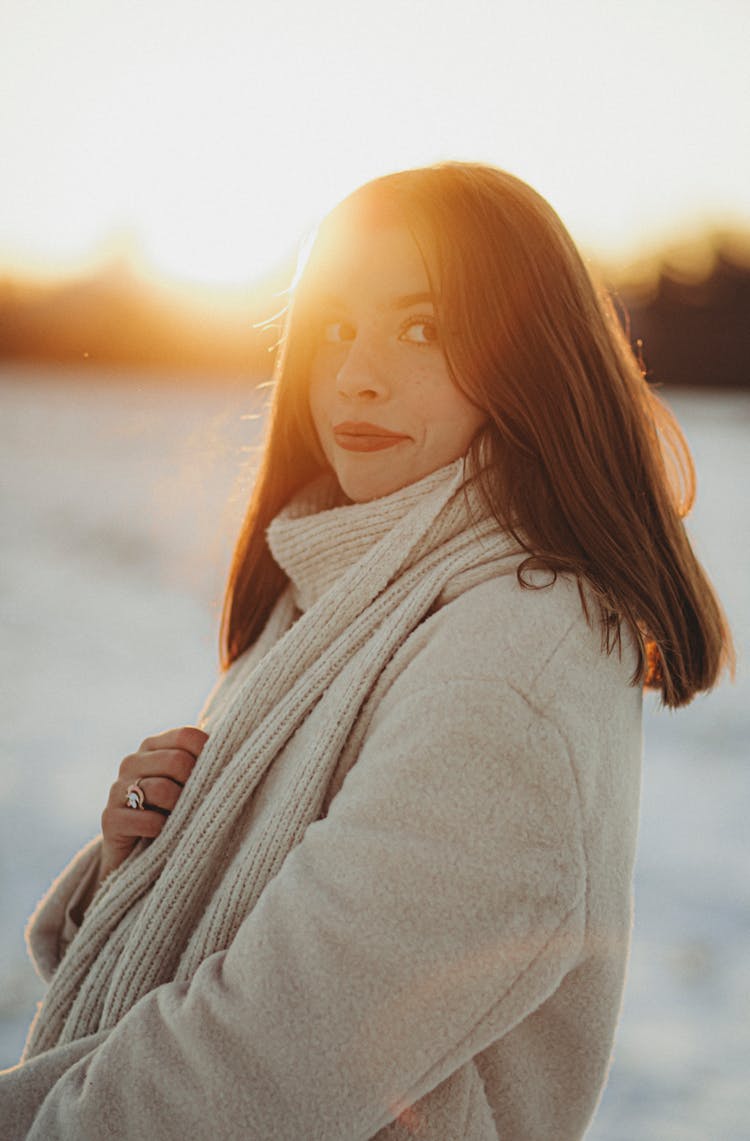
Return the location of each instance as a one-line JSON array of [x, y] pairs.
[[215, 138]]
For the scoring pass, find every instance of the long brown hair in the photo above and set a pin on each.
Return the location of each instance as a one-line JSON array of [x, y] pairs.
[[579, 459]]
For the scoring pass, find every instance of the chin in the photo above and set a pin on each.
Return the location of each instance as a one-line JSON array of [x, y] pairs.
[[362, 477], [364, 491], [363, 486]]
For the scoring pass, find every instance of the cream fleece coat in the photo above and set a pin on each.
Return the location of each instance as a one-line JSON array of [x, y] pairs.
[[442, 955]]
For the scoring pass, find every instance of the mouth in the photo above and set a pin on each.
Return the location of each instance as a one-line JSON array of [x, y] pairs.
[[361, 436]]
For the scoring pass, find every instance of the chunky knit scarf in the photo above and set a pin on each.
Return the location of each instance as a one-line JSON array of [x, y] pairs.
[[363, 576]]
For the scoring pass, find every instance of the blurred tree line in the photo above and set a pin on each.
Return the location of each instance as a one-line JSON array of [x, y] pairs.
[[690, 323], [690, 328]]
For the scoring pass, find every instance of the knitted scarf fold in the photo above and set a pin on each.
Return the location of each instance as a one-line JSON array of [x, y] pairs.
[[171, 904]]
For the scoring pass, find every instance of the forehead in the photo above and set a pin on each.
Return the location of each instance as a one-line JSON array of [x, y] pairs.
[[371, 264]]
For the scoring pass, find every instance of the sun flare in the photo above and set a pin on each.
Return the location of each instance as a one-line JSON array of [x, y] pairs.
[[215, 138]]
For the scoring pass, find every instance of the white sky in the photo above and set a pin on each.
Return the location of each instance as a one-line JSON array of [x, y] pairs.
[[213, 134]]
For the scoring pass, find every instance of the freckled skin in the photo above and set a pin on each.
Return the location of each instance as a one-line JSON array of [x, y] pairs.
[[377, 363]]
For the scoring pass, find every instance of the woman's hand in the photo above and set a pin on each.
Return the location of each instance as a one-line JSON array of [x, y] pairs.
[[161, 766]]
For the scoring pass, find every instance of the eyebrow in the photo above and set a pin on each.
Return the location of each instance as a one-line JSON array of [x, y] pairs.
[[408, 299], [405, 301]]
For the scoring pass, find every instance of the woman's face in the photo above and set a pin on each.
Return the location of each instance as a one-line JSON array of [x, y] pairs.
[[384, 406]]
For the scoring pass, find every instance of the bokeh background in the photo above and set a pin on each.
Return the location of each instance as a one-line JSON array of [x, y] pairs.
[[160, 165]]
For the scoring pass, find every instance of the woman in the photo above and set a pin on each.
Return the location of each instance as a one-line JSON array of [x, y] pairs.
[[384, 890]]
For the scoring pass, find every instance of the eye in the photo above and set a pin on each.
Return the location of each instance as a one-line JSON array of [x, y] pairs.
[[419, 331], [337, 332]]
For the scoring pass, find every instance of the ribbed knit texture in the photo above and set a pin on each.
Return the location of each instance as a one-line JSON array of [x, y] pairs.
[[364, 576]]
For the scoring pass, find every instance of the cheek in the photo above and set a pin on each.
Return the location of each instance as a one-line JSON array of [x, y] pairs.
[[322, 383], [319, 404], [316, 397], [444, 410], [459, 431]]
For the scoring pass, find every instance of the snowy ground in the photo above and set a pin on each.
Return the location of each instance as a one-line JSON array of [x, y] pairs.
[[119, 504]]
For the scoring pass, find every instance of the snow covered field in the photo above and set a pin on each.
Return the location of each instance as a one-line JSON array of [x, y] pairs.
[[119, 505]]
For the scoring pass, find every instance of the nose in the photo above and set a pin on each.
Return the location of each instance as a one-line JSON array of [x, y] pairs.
[[361, 374]]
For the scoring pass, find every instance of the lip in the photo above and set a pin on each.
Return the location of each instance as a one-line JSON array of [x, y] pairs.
[[361, 436]]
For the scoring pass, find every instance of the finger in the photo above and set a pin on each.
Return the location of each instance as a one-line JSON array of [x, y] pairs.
[[160, 792], [128, 824], [188, 737], [174, 763]]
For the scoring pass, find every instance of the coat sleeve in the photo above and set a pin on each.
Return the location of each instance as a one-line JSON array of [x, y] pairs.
[[439, 903], [24, 1088]]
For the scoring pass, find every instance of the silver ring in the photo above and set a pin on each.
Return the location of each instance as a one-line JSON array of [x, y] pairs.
[[135, 796]]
